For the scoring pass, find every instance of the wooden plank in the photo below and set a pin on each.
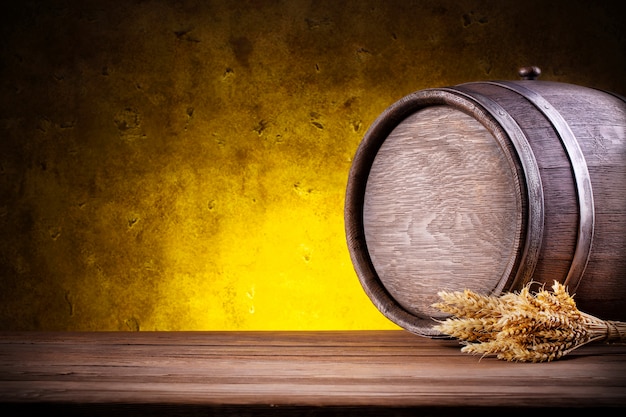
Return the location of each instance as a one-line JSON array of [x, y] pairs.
[[294, 369]]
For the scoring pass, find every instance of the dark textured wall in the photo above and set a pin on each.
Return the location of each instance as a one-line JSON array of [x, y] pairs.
[[182, 164]]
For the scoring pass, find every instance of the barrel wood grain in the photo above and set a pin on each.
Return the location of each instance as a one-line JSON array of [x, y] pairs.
[[442, 202], [567, 145], [294, 369]]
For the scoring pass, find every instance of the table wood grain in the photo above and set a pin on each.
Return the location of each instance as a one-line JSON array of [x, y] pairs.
[[273, 371]]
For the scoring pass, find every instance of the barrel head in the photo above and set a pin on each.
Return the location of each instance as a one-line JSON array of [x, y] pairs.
[[442, 209]]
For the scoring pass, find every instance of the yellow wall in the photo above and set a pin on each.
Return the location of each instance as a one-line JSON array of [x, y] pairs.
[[182, 165]]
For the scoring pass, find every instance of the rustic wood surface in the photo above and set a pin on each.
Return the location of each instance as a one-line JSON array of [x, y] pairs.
[[488, 186], [291, 370], [442, 209]]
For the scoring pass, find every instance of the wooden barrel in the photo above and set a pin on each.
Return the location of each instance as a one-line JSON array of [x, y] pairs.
[[488, 186]]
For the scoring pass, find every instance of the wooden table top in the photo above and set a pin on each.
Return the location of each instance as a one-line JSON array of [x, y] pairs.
[[272, 371]]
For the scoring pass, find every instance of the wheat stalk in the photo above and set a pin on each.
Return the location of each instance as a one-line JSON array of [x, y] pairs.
[[523, 326]]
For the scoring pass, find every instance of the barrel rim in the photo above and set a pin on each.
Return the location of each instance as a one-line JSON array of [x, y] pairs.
[[535, 212], [357, 181], [582, 179]]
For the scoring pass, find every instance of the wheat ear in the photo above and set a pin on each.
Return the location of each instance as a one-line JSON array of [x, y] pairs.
[[523, 326]]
